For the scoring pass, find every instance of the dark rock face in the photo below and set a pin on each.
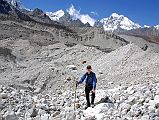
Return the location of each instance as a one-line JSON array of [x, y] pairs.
[[14, 3], [67, 21], [11, 11], [37, 12], [98, 24], [4, 7], [87, 25], [39, 16], [7, 53]]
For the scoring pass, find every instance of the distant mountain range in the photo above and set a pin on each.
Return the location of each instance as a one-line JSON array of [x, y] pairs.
[[118, 24], [73, 17], [112, 23]]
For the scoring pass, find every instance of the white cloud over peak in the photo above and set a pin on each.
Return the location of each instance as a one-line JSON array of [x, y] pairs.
[[85, 18], [94, 13]]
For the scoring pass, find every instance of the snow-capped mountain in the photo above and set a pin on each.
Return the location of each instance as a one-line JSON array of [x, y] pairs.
[[157, 27], [116, 21], [74, 14], [55, 16]]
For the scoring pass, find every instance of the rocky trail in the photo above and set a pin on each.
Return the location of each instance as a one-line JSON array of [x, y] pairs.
[[138, 102], [41, 86]]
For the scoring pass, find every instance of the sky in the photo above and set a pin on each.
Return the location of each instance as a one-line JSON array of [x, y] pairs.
[[144, 12]]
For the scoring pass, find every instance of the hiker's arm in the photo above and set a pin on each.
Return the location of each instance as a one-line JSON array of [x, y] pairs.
[[82, 79], [94, 81]]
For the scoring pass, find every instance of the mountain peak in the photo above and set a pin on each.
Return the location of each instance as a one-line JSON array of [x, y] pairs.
[[74, 14], [115, 15], [55, 16], [157, 27], [116, 21]]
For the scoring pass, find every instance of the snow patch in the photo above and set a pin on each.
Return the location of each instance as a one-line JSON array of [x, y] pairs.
[[55, 16]]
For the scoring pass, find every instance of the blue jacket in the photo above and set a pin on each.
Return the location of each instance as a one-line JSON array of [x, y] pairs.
[[90, 79]]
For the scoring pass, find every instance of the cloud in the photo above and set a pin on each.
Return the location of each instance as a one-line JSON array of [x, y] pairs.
[[94, 13], [85, 18]]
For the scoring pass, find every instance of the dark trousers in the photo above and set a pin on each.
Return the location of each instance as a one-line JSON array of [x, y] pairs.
[[87, 91]]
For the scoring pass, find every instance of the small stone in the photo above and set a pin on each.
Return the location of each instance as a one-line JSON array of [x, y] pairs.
[[37, 90], [131, 100], [77, 105], [141, 100], [125, 106], [83, 62], [34, 112], [45, 117], [90, 118], [157, 105], [56, 113], [145, 117], [44, 107], [110, 83], [41, 112], [71, 67], [68, 78], [4, 95]]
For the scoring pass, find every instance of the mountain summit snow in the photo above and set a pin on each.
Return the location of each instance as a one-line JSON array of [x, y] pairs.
[[111, 23], [157, 27], [116, 21], [55, 16], [74, 14]]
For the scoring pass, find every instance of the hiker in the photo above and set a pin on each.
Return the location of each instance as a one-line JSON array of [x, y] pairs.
[[90, 79]]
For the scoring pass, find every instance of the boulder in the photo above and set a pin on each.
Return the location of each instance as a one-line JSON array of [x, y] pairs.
[[104, 100]]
